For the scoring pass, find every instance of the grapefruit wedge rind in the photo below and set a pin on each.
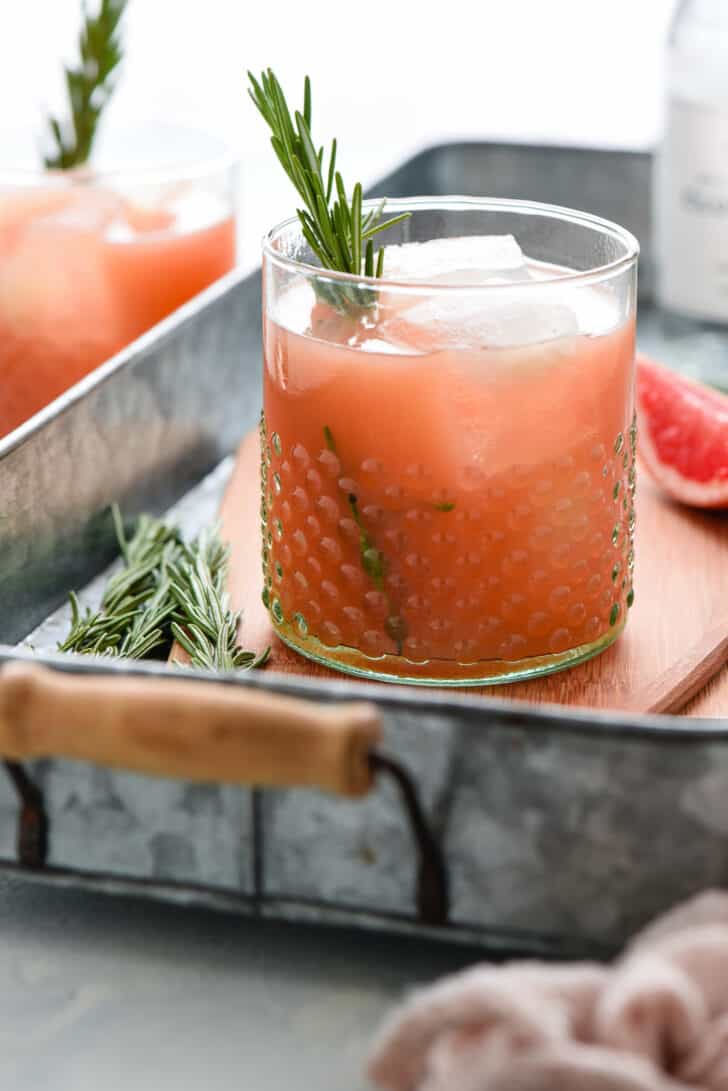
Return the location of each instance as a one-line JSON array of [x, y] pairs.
[[683, 435]]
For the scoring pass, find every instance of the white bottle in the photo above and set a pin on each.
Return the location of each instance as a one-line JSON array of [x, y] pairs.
[[691, 178]]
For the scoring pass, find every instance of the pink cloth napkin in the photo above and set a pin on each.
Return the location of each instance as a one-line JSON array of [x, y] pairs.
[[656, 1020]]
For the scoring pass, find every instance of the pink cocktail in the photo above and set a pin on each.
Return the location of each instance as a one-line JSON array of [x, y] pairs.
[[89, 262], [449, 452]]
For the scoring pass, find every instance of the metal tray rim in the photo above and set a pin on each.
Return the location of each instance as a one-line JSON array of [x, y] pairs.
[[297, 912], [515, 714]]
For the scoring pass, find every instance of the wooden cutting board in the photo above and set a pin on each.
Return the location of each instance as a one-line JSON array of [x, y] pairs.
[[679, 620]]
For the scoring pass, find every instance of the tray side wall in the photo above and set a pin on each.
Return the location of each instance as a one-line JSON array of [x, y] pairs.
[[550, 835], [141, 432]]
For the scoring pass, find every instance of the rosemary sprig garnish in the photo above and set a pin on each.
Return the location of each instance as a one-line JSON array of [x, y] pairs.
[[89, 85], [334, 226], [168, 590]]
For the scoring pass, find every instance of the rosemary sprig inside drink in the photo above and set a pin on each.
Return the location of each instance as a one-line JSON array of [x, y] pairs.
[[167, 590], [89, 85], [373, 561], [334, 225]]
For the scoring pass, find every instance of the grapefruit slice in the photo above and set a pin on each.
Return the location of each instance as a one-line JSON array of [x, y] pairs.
[[683, 435]]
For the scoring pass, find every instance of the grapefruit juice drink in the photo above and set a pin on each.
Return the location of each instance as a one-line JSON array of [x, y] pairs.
[[89, 262], [448, 453]]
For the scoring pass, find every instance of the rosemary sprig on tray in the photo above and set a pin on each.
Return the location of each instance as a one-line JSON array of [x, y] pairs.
[[334, 225], [136, 605], [89, 85], [168, 590], [203, 623]]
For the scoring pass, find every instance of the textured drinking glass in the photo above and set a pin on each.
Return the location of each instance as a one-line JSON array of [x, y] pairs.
[[448, 463], [93, 257]]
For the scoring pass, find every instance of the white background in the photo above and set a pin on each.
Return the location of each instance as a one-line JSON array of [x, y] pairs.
[[390, 76]]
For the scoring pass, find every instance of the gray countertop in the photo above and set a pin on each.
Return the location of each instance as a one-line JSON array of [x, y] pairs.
[[114, 993]]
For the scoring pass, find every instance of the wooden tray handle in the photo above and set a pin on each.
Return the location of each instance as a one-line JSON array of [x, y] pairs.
[[187, 729]]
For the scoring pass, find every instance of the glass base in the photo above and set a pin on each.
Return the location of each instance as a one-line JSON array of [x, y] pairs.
[[442, 672]]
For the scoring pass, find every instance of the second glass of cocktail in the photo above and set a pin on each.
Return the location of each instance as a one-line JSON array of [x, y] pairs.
[[92, 258], [448, 450]]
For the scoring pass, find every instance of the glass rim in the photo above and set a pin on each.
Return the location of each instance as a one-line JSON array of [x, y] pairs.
[[456, 203], [196, 166]]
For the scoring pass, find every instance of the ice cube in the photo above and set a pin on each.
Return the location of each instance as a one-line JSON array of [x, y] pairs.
[[22, 207], [505, 319], [292, 308], [471, 259], [384, 348], [197, 211], [89, 209]]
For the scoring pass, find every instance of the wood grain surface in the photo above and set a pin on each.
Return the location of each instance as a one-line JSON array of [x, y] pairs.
[[187, 729], [712, 702], [674, 642]]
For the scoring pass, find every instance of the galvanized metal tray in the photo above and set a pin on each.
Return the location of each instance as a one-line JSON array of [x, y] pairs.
[[561, 831]]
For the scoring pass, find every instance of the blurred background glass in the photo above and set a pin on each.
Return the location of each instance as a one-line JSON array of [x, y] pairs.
[[93, 257]]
